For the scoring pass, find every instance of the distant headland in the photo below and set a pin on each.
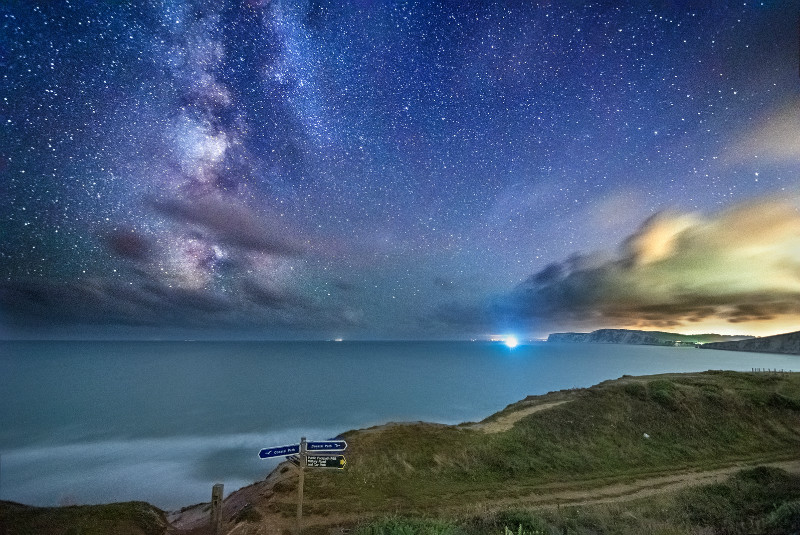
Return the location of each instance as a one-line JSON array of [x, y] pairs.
[[788, 343], [650, 338]]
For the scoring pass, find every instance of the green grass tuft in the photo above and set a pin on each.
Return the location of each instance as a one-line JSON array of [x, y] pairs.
[[408, 526]]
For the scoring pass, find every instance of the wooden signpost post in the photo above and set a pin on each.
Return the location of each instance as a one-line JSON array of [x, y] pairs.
[[216, 508], [300, 485], [337, 462]]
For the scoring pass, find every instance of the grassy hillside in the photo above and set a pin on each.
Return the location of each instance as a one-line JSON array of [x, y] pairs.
[[697, 421], [130, 518], [521, 468]]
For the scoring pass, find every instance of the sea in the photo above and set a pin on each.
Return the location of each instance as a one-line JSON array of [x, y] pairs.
[[96, 422]]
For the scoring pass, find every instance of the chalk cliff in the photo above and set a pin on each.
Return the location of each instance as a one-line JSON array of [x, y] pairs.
[[629, 336]]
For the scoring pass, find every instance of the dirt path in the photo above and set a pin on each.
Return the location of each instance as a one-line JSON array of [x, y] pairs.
[[574, 493], [641, 488], [507, 421]]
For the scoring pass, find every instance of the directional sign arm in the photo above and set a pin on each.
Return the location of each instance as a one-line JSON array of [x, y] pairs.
[[279, 451], [326, 445]]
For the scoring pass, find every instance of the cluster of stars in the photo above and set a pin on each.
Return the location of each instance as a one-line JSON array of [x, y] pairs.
[[310, 169]]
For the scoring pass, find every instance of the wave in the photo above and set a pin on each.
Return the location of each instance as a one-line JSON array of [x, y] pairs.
[[168, 472]]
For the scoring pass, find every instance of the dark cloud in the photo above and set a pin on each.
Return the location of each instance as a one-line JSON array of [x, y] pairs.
[[128, 243], [458, 317], [233, 223], [343, 285], [551, 273], [273, 298], [109, 303], [49, 305], [45, 302]]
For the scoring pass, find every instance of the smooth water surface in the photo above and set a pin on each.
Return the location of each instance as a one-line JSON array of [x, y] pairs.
[[94, 422]]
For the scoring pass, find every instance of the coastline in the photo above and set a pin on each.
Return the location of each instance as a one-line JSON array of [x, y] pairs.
[[614, 440]]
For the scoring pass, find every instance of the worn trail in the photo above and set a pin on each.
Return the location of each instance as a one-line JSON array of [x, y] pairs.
[[575, 493]]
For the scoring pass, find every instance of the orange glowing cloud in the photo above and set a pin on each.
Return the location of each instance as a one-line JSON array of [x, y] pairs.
[[740, 267]]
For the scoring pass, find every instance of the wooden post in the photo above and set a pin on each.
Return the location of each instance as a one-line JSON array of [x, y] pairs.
[[216, 508], [300, 485]]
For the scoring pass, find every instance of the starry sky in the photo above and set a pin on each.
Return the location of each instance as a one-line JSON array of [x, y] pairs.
[[397, 169]]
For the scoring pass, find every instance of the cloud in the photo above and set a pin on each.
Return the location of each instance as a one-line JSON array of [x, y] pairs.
[[737, 266], [776, 138], [271, 297], [142, 301], [232, 223], [128, 243], [104, 302]]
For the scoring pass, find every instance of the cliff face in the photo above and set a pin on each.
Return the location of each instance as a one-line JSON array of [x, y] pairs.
[[611, 336], [780, 343], [629, 336], [568, 337]]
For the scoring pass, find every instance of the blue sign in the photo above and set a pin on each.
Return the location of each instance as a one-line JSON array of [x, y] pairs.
[[279, 451], [326, 445]]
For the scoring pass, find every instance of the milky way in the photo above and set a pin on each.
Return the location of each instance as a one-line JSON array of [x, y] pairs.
[[397, 169]]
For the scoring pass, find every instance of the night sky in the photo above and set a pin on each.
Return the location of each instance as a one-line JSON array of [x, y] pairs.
[[381, 170]]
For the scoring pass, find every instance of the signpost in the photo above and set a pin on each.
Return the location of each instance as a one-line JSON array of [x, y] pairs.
[[326, 461], [303, 459]]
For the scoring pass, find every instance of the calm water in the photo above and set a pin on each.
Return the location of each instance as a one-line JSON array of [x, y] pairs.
[[92, 422]]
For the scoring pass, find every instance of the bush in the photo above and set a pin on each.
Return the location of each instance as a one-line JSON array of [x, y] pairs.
[[747, 496], [785, 519], [512, 521], [636, 390], [522, 522], [780, 401], [664, 393]]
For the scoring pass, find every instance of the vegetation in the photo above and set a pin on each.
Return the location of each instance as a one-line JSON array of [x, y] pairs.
[[615, 431], [129, 518], [759, 501], [464, 480]]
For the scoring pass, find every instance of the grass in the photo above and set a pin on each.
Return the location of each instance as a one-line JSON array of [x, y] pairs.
[[695, 421], [128, 518], [758, 501]]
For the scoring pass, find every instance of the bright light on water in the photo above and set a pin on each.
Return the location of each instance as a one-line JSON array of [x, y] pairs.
[[511, 341]]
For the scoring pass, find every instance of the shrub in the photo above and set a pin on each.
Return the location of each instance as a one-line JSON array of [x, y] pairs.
[[664, 393], [785, 519], [636, 390]]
